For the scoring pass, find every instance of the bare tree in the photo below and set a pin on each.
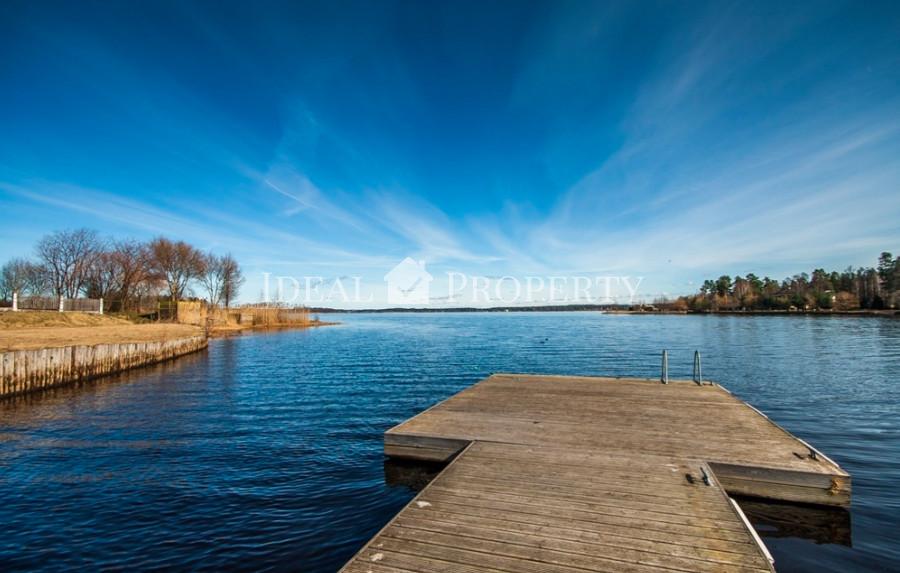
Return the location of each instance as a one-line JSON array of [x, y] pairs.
[[104, 276], [13, 278], [132, 259], [221, 278], [37, 282], [212, 278], [67, 257], [175, 263], [117, 271], [233, 279], [148, 288], [24, 277], [76, 261]]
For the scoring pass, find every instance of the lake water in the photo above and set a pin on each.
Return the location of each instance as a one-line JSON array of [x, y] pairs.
[[265, 452]]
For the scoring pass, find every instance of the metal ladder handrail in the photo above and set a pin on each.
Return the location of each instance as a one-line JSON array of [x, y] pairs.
[[698, 370], [664, 375]]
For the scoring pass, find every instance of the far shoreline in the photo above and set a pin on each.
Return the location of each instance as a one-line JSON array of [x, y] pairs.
[[888, 313]]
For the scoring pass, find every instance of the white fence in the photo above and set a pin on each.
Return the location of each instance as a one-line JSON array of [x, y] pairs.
[[60, 304]]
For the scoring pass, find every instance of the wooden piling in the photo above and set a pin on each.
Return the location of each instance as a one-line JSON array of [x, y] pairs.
[[23, 371]]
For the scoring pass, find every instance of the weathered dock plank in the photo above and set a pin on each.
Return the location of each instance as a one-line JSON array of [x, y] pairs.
[[554, 474], [682, 420], [565, 513]]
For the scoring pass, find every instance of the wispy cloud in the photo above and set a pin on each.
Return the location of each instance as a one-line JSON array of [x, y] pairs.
[[589, 138]]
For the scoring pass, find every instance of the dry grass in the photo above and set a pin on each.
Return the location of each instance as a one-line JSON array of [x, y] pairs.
[[34, 330], [44, 319], [35, 338]]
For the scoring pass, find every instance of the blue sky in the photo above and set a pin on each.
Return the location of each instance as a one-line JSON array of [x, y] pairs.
[[673, 141]]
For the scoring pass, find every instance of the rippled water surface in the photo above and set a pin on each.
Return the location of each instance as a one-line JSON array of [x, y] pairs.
[[264, 452]]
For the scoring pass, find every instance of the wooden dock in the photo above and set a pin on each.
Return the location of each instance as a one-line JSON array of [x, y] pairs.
[[558, 474]]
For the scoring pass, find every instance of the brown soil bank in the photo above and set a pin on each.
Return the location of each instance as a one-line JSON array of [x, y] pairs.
[[121, 333]]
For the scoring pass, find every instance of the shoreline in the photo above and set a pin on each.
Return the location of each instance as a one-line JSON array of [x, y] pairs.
[[36, 358], [889, 313], [873, 313]]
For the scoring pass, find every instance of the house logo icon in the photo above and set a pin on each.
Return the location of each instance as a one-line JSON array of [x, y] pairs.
[[408, 283]]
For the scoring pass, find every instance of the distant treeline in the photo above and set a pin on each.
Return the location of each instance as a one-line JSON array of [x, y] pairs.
[[531, 308], [851, 289], [80, 262]]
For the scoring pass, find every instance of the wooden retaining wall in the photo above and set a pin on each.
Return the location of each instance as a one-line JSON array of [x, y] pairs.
[[23, 371]]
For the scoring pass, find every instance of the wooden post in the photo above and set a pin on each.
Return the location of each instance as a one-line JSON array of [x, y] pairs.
[[15, 301], [62, 304], [101, 305]]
